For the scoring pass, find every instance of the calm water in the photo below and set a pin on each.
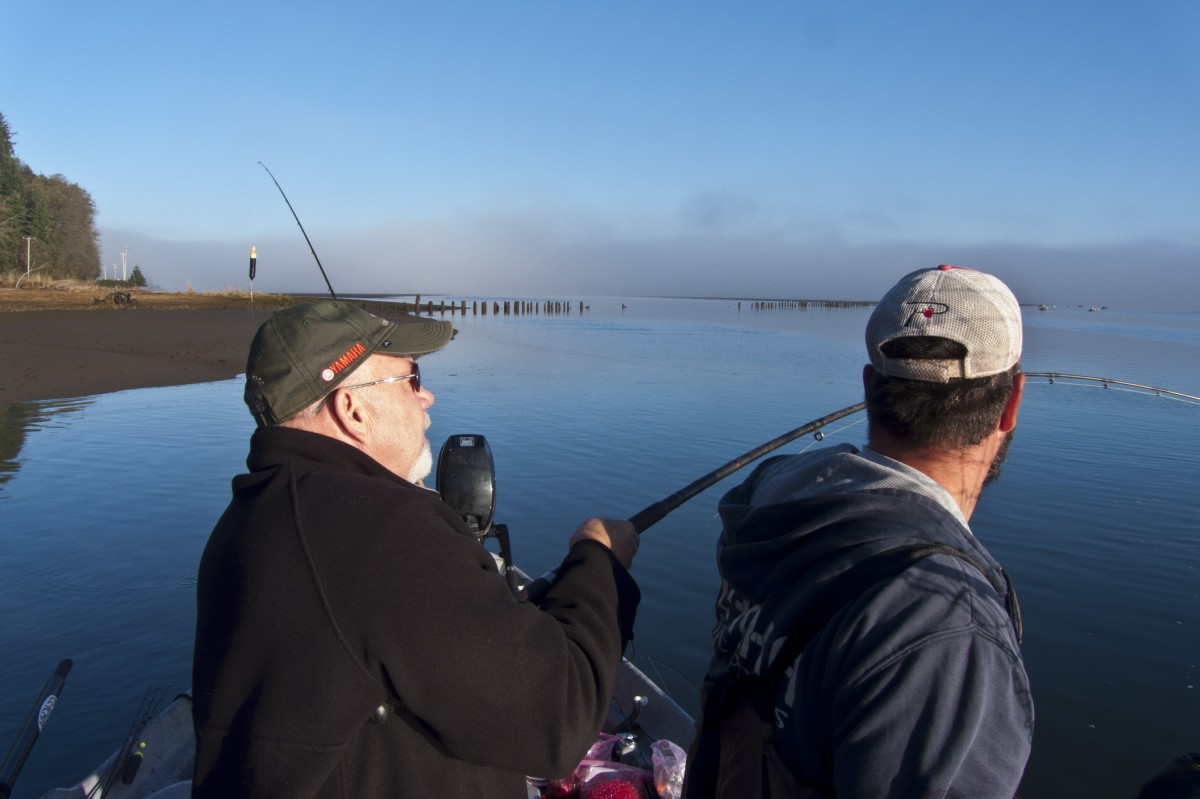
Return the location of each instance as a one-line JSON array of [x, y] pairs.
[[105, 504]]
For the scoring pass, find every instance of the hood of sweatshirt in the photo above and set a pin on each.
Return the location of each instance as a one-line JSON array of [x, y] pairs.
[[800, 521]]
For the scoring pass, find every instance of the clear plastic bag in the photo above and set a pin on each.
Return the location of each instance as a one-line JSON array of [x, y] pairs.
[[669, 764], [601, 776], [603, 748]]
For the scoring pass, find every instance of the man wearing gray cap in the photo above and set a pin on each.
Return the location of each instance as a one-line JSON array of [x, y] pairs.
[[867, 645], [352, 637]]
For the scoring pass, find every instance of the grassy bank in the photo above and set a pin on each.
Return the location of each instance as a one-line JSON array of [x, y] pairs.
[[67, 295]]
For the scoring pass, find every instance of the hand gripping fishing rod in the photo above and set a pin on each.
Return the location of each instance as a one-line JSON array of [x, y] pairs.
[[310, 246]]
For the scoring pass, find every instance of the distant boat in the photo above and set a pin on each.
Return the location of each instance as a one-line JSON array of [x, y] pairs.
[[1093, 309], [1043, 307]]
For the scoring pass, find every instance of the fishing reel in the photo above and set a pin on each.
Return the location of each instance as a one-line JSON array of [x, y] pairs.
[[466, 479]]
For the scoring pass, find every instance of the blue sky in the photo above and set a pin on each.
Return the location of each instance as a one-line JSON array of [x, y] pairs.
[[577, 147]]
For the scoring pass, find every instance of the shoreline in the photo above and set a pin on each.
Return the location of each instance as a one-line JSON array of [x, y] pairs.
[[62, 344], [60, 354], [75, 341], [80, 341]]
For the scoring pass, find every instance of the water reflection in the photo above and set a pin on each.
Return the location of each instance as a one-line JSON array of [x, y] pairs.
[[1095, 517], [16, 421]]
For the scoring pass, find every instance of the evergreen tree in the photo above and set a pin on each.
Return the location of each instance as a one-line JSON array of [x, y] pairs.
[[137, 278], [57, 215], [12, 205]]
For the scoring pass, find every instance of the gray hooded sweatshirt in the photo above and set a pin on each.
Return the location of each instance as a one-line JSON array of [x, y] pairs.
[[914, 689]]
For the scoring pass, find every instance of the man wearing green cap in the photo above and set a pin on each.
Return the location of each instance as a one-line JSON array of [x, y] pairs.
[[352, 638]]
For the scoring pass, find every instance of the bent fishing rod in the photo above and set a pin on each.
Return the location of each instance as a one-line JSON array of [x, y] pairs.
[[302, 230], [653, 514], [1052, 377], [656, 512]]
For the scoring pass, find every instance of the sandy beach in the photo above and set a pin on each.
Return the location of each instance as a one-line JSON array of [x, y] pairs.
[[56, 344], [57, 354]]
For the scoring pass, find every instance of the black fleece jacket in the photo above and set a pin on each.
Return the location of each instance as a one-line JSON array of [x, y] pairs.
[[330, 586]]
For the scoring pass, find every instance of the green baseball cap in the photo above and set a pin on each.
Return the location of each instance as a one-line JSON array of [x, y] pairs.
[[305, 351]]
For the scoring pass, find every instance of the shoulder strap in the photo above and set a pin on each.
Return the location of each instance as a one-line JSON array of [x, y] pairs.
[[723, 696], [851, 584]]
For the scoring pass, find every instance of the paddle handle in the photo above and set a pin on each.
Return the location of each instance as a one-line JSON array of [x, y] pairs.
[[18, 753]]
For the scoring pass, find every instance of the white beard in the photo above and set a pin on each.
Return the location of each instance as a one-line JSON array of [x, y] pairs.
[[424, 465]]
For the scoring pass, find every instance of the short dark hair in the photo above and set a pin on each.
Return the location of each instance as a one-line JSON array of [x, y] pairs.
[[951, 415]]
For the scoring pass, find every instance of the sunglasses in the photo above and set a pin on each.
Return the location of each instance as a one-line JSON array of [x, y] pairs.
[[415, 377]]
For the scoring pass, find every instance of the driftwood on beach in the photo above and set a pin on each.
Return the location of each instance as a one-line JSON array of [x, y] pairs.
[[119, 299]]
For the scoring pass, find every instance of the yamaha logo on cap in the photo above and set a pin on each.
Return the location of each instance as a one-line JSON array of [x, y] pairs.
[[348, 357]]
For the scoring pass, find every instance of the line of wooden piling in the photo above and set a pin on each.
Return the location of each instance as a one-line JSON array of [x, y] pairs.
[[522, 307], [784, 305], [494, 307]]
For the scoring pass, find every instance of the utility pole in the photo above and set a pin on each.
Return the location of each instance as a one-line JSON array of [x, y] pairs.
[[124, 252], [27, 240]]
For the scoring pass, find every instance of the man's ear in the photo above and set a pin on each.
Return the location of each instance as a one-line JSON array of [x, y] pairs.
[[1008, 418], [350, 414]]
